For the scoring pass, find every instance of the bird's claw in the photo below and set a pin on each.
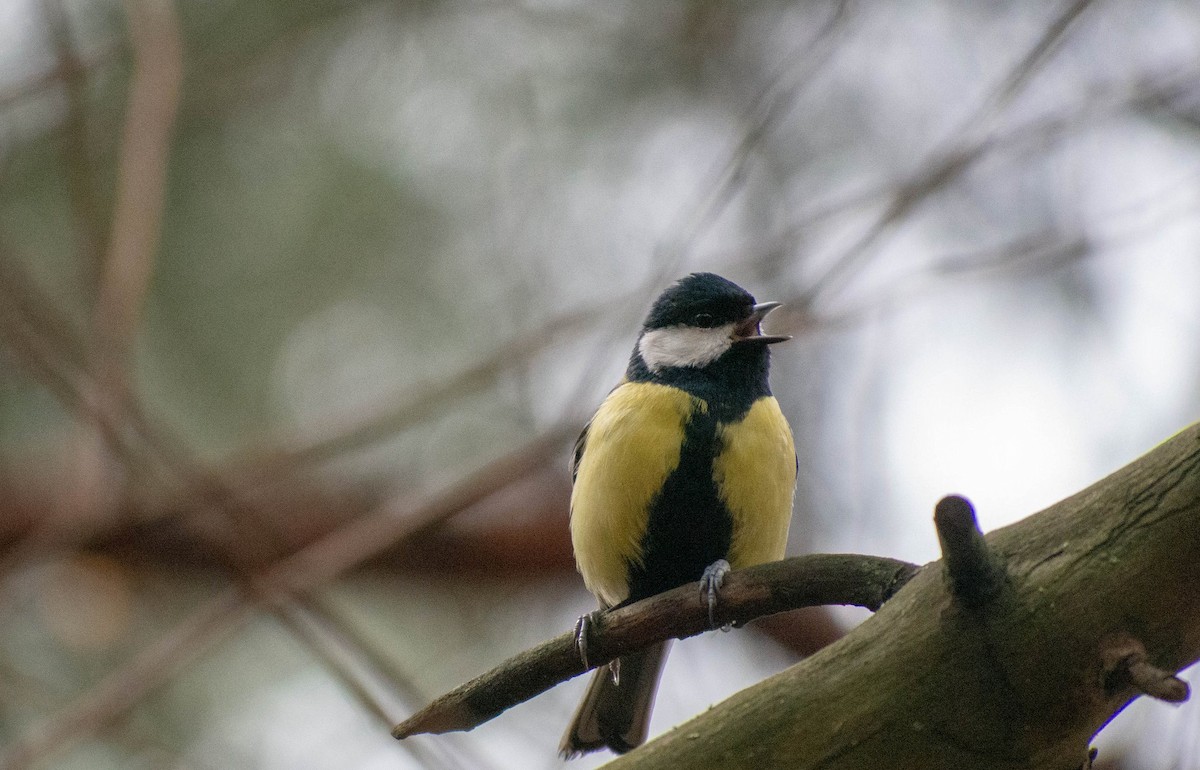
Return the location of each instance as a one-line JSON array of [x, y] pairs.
[[581, 635], [710, 586], [583, 628]]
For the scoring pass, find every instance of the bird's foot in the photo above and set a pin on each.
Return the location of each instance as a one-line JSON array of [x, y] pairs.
[[583, 627], [710, 586]]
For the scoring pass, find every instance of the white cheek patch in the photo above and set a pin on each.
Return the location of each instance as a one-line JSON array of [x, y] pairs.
[[684, 346]]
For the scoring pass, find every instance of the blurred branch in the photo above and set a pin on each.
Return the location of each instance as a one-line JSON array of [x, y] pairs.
[[1037, 56], [367, 536], [771, 102], [46, 344], [49, 348], [340, 654], [57, 77], [141, 183], [124, 275], [347, 659], [306, 570], [153, 101], [1043, 250], [80, 169], [124, 688], [947, 164], [1032, 136], [803, 581], [418, 403], [1046, 251]]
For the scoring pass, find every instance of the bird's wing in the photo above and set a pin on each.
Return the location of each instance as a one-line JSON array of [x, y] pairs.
[[577, 453]]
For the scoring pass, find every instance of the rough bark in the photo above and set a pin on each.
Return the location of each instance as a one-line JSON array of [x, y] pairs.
[[1099, 599]]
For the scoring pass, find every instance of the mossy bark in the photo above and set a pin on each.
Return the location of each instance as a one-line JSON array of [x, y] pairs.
[[1020, 682]]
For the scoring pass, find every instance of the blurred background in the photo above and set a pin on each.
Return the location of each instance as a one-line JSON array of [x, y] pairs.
[[302, 305]]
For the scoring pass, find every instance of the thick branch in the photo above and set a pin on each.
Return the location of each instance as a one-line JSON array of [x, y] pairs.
[[1099, 603], [805, 581]]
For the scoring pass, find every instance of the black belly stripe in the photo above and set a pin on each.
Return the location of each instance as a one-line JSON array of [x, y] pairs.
[[689, 526]]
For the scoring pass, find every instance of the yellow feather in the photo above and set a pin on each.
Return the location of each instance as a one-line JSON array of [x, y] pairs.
[[632, 445], [756, 476]]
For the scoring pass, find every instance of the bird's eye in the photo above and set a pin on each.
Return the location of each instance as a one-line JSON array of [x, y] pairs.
[[703, 320]]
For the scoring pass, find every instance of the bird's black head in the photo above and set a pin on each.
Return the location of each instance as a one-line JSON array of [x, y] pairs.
[[703, 323], [700, 300]]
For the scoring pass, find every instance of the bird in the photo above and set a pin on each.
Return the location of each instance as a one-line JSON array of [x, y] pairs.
[[687, 469]]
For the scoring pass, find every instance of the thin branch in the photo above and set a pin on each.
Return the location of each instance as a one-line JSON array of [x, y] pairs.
[[1030, 136], [418, 403], [368, 536], [141, 178], [804, 581], [769, 104], [1125, 667], [124, 275], [1040, 52], [947, 164], [76, 145], [1045, 250]]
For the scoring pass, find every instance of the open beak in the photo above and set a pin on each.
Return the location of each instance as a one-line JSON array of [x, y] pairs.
[[750, 330]]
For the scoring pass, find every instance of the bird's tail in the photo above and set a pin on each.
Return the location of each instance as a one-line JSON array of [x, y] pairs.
[[616, 714]]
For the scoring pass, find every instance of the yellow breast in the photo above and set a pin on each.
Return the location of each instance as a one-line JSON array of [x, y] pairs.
[[632, 445], [756, 475]]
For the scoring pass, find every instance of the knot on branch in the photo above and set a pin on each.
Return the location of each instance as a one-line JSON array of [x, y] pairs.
[[1125, 665], [975, 573]]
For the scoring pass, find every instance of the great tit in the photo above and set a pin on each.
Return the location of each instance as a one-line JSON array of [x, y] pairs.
[[687, 465]]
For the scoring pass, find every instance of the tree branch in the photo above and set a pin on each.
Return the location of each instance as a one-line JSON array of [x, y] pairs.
[[1097, 603], [805, 581]]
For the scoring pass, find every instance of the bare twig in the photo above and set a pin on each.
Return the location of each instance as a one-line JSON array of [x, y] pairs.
[[947, 164], [1124, 667], [1030, 136], [804, 581], [1040, 52]]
